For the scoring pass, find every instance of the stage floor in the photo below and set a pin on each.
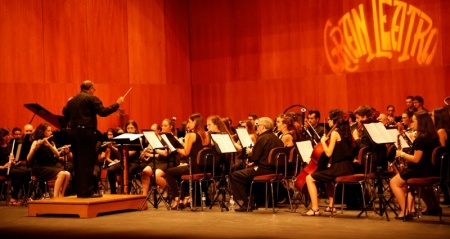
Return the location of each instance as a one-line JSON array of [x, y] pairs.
[[85, 207]]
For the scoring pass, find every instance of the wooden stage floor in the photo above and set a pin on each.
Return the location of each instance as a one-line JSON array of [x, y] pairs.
[[85, 207]]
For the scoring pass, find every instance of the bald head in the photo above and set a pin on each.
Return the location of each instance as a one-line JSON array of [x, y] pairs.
[[86, 85]]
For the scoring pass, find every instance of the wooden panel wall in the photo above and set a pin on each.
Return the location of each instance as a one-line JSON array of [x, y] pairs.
[[264, 56], [48, 47], [225, 57]]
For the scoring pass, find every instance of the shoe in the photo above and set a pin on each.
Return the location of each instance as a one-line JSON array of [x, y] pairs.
[[408, 217], [243, 209], [311, 212], [330, 209], [96, 195], [174, 205], [14, 203]]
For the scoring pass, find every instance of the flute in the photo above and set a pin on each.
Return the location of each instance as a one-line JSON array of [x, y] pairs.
[[11, 156]]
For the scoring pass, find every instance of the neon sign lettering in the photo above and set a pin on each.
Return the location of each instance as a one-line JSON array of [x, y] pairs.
[[399, 30]]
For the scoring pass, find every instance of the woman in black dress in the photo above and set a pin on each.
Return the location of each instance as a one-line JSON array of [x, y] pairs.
[[42, 156], [339, 150], [419, 163]]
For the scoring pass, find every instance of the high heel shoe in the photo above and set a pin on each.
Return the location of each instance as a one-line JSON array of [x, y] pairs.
[[175, 204], [311, 212], [187, 201]]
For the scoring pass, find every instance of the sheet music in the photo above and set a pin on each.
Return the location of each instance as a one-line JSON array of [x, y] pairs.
[[171, 141], [224, 143], [129, 136], [153, 140], [378, 133], [244, 137], [305, 148], [394, 136]]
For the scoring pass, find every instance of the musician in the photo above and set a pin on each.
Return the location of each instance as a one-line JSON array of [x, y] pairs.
[[195, 140], [390, 115], [247, 124], [418, 103], [406, 125], [252, 117], [259, 165], [441, 120], [164, 159], [135, 164], [81, 112], [42, 160], [19, 175], [339, 150], [419, 163], [313, 127], [409, 104], [112, 160]]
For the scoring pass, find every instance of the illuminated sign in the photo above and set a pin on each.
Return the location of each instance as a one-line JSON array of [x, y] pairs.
[[398, 31]]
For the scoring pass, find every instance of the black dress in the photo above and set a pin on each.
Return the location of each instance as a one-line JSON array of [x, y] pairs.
[[341, 163], [43, 164], [424, 168]]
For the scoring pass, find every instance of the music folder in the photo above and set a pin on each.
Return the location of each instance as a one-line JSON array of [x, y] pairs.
[[223, 143], [378, 133], [171, 141], [244, 137], [305, 149], [394, 136], [153, 140]]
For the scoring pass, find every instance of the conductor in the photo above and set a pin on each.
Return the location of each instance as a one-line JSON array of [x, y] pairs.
[[81, 111]]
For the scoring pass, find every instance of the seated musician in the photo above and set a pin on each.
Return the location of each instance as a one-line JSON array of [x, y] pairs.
[[18, 173], [163, 160], [419, 162], [339, 152], [259, 165], [195, 140], [135, 165], [314, 130], [441, 119], [42, 160], [112, 159]]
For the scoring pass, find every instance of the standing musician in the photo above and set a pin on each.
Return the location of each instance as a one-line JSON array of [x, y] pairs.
[[314, 130], [419, 162], [338, 147], [259, 165], [195, 140], [81, 112]]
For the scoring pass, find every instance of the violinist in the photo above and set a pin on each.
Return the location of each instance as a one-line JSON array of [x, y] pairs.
[[314, 130], [337, 146]]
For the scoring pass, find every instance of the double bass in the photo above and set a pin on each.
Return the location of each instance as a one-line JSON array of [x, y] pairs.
[[319, 160]]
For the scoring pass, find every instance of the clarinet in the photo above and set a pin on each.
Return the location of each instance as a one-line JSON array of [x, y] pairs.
[[11, 156]]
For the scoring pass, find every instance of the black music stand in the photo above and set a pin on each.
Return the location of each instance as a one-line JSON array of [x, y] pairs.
[[154, 144], [379, 136], [126, 140], [223, 145]]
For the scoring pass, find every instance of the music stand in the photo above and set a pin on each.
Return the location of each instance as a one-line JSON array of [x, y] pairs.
[[223, 145], [154, 144], [126, 140], [379, 135]]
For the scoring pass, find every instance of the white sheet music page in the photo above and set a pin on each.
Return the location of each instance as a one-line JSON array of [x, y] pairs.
[[164, 137], [305, 148], [153, 140], [394, 136], [223, 141], [244, 137], [378, 133], [129, 136]]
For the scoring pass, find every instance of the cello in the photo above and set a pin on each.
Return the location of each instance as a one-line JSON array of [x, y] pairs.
[[319, 160]]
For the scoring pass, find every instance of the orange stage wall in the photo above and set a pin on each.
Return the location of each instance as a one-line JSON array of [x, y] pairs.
[[225, 57]]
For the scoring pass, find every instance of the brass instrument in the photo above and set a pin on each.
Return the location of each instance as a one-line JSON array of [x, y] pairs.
[[400, 163], [144, 155]]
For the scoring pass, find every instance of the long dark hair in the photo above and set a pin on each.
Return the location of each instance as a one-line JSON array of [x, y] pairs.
[[425, 125], [343, 127], [442, 119]]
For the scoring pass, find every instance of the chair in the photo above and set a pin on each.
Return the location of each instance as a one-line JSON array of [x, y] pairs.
[[359, 178], [5, 193], [35, 191], [293, 169], [206, 159], [278, 158], [439, 158]]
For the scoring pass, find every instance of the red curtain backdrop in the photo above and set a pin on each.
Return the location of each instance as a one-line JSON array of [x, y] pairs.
[[224, 57]]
